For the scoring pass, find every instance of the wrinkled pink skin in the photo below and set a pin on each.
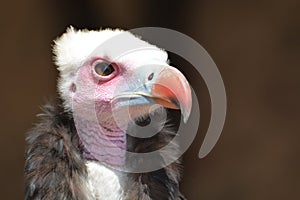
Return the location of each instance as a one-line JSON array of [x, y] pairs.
[[93, 116]]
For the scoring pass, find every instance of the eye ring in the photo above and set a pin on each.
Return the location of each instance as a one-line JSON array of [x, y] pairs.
[[104, 68]]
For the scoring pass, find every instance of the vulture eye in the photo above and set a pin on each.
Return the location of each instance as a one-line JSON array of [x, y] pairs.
[[104, 68]]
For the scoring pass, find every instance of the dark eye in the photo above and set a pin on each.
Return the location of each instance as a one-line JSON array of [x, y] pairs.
[[104, 68]]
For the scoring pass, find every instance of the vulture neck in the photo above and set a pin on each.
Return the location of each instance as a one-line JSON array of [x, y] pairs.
[[102, 139], [102, 131]]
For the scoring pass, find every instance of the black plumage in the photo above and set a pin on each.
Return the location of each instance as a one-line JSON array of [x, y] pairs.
[[55, 167]]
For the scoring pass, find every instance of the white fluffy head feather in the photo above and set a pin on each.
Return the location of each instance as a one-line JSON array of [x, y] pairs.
[[74, 46]]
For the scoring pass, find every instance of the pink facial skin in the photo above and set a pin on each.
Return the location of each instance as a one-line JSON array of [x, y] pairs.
[[92, 111], [99, 107]]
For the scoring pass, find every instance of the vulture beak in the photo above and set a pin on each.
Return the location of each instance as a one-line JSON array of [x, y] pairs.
[[163, 85], [171, 90]]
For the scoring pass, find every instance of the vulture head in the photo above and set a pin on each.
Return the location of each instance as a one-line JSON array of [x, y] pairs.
[[110, 79]]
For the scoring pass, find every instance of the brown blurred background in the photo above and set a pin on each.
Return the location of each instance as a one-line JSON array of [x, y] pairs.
[[255, 44]]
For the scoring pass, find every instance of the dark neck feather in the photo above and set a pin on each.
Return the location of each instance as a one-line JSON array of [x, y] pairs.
[[55, 166]]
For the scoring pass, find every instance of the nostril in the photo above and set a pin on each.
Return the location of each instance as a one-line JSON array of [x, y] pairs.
[[150, 77]]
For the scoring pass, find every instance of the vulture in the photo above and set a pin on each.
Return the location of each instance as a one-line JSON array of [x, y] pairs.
[[118, 98]]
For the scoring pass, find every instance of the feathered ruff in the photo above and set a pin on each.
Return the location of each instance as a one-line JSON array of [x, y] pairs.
[[55, 167]]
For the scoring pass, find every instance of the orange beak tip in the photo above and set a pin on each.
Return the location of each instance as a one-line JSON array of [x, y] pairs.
[[172, 90]]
